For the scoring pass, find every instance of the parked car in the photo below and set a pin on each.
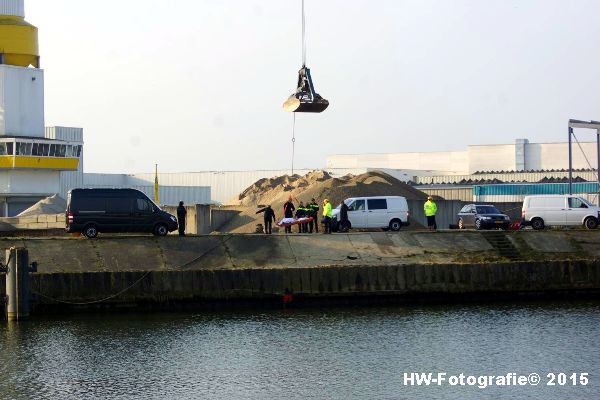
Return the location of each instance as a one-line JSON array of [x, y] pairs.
[[90, 211], [379, 212], [481, 216], [540, 211]]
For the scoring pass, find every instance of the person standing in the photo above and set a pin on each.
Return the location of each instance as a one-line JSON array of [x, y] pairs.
[[288, 212], [181, 214], [344, 221], [313, 209], [430, 209], [268, 218], [300, 213], [327, 214]]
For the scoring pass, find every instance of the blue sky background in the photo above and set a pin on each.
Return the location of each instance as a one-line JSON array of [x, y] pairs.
[[199, 84]]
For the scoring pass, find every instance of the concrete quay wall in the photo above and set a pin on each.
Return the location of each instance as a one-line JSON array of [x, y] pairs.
[[413, 282], [130, 271]]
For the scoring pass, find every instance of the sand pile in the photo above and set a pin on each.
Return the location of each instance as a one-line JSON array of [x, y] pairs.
[[50, 205], [318, 185]]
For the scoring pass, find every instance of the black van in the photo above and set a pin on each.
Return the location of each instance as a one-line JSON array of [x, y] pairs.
[[90, 211]]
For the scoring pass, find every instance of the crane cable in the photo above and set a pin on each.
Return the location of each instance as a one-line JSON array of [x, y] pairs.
[[303, 36], [303, 65], [293, 141]]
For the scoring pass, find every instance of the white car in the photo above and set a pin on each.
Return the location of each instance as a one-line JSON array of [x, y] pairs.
[[559, 210], [385, 212]]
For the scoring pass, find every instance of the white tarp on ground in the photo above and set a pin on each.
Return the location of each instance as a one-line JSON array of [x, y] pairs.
[[50, 205]]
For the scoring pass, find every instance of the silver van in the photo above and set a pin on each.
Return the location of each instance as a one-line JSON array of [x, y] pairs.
[[376, 212], [559, 210]]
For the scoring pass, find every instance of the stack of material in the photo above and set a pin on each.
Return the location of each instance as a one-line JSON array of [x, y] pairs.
[[50, 205], [320, 185]]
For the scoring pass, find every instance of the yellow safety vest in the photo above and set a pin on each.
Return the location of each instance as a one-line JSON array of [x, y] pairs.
[[327, 212], [430, 208]]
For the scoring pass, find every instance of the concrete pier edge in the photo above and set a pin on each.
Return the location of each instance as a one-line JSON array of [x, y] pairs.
[[255, 270]]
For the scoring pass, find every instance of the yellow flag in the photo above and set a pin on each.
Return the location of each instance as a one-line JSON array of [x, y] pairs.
[[156, 184]]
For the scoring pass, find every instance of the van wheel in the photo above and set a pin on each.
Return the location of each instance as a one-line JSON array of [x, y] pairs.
[[537, 224], [591, 223], [161, 230], [461, 224], [395, 225], [90, 231]]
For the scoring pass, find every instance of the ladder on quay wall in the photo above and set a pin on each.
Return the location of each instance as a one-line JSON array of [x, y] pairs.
[[502, 245]]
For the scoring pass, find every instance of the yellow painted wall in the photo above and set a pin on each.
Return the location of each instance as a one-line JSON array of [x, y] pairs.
[[32, 162]]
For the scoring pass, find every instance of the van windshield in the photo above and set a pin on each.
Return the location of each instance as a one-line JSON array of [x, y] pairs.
[[587, 202], [154, 204]]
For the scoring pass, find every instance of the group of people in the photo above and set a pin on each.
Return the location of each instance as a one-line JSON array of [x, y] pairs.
[[308, 212]]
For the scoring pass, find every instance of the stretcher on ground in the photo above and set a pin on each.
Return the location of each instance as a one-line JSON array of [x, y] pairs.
[[294, 221]]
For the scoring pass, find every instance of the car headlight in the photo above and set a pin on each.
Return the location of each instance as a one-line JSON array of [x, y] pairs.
[[173, 218], [486, 218]]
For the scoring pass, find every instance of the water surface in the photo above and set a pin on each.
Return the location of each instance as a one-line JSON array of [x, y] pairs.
[[345, 353]]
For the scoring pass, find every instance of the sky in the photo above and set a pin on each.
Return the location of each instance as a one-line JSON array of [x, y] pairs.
[[198, 85]]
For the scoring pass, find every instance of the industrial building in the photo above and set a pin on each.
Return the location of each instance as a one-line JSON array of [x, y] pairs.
[[517, 157], [38, 161], [32, 157]]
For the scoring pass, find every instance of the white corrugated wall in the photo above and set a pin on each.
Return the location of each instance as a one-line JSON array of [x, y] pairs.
[[497, 198], [224, 185], [68, 179], [168, 195], [67, 134], [506, 177]]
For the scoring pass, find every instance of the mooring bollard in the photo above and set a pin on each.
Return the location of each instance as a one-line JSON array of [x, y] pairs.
[[17, 283]]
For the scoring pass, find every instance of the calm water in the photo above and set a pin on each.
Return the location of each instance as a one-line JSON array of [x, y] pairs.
[[357, 353]]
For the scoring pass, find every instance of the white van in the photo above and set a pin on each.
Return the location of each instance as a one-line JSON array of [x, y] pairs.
[[386, 212], [559, 210]]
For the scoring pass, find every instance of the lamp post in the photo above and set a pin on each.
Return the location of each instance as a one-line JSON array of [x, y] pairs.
[[595, 125]]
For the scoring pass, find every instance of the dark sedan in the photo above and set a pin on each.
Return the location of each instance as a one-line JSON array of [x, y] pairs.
[[482, 217]]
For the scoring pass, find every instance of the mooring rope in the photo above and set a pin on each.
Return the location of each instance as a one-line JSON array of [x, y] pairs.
[[92, 301], [134, 283]]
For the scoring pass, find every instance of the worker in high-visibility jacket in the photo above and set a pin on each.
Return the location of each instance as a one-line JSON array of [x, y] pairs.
[[430, 209], [327, 214]]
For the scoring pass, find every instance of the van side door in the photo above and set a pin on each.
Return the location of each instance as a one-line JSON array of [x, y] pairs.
[[119, 214], [377, 213], [555, 210], [357, 213], [88, 210]]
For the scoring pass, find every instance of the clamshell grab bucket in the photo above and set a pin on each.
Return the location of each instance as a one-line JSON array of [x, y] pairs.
[[305, 99]]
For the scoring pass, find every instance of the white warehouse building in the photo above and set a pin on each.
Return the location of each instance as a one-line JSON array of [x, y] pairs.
[[519, 156]]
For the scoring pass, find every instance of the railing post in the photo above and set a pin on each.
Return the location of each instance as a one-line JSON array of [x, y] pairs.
[[17, 284]]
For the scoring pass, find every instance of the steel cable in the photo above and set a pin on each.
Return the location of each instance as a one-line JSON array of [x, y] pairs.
[[303, 36]]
